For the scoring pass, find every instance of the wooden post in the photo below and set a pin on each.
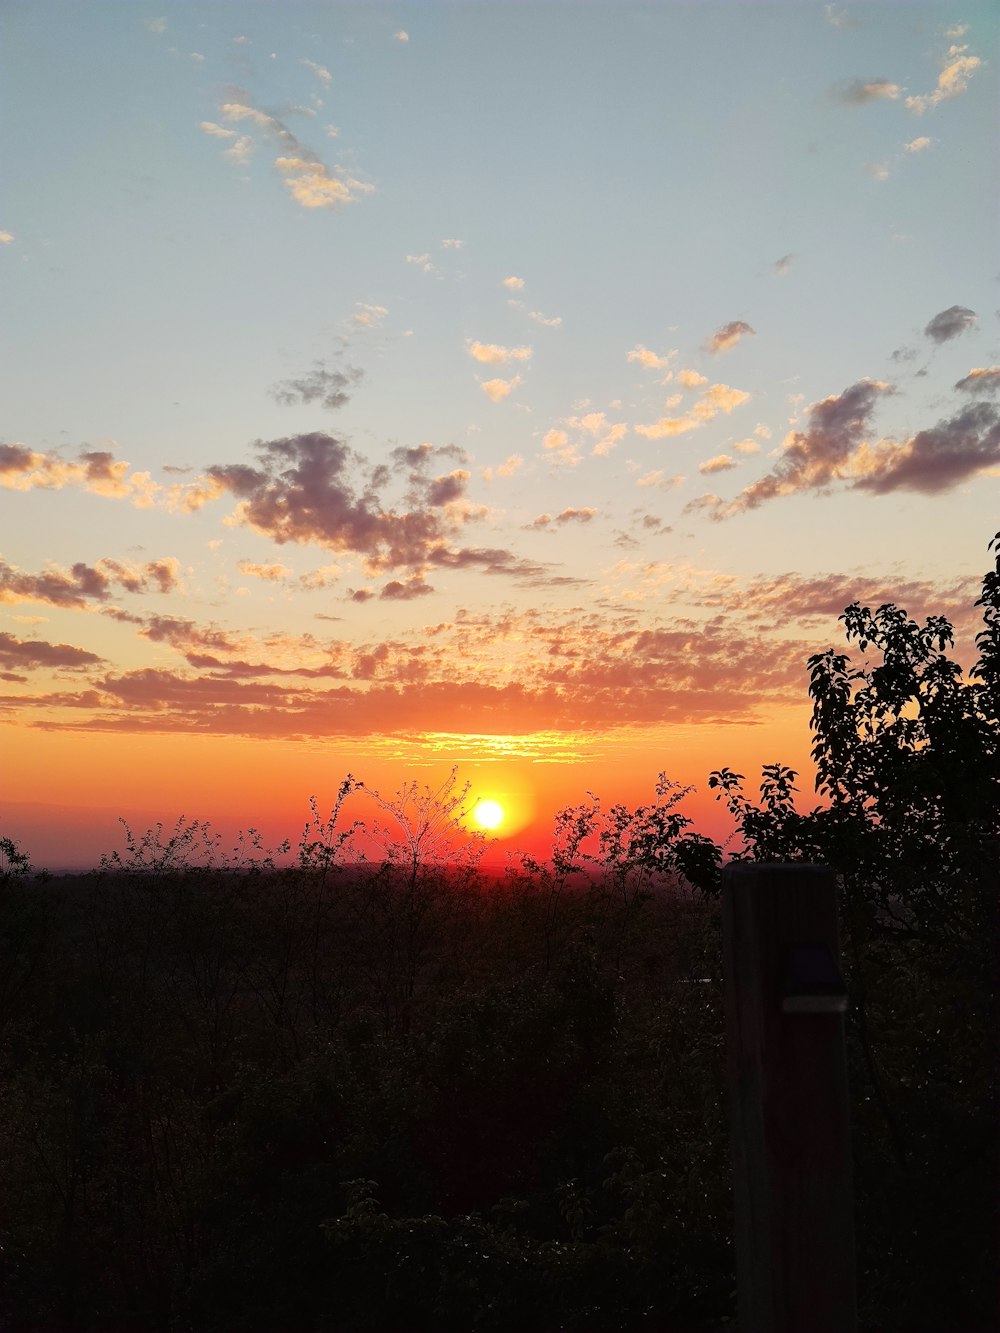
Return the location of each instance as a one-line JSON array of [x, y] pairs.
[[793, 1191]]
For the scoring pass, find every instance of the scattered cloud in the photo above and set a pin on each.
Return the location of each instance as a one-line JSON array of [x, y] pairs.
[[950, 323], [6, 237], [957, 69], [841, 18], [660, 480], [369, 316], [322, 385], [721, 463], [452, 243], [94, 470], [781, 266], [980, 380], [648, 359], [729, 335], [320, 71], [919, 144], [492, 354], [691, 379], [267, 573], [718, 398], [157, 25], [76, 588], [548, 321], [863, 91], [497, 389], [423, 262], [401, 36], [310, 182], [566, 516], [879, 171], [515, 284], [812, 458], [513, 463]]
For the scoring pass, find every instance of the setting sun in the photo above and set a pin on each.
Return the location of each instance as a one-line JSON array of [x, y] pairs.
[[488, 814]]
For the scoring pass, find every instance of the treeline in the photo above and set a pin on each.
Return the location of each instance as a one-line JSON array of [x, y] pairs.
[[401, 1096]]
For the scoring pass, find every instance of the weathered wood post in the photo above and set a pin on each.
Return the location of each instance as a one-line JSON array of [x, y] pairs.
[[793, 1191]]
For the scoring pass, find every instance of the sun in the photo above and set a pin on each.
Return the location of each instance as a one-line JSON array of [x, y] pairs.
[[488, 814]]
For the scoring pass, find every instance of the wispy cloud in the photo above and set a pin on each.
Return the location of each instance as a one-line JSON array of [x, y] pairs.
[[309, 180], [368, 316], [321, 72], [717, 398], [781, 266], [863, 91], [493, 354], [323, 385]]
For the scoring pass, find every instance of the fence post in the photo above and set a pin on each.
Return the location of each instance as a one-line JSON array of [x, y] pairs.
[[793, 1191]]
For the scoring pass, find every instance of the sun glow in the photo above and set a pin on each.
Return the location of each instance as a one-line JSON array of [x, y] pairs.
[[488, 814]]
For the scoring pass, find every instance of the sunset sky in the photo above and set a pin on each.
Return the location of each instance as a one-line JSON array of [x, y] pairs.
[[526, 387]]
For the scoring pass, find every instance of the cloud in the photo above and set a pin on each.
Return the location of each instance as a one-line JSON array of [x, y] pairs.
[[157, 25], [423, 262], [863, 91], [879, 171], [840, 18], [321, 73], [312, 489], [513, 463], [919, 144], [497, 389], [94, 470], [950, 323], [718, 398], [566, 516], [980, 381], [369, 316], [328, 387], [6, 238], [660, 480], [747, 447], [312, 185], [721, 463], [310, 182], [267, 573], [452, 243], [813, 458], [781, 266], [957, 70], [396, 591], [549, 322], [492, 354], [729, 335], [32, 654], [515, 284], [691, 379], [648, 359], [75, 588], [401, 36], [937, 459]]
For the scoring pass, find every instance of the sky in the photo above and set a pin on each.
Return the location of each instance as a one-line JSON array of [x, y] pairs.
[[525, 388]]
